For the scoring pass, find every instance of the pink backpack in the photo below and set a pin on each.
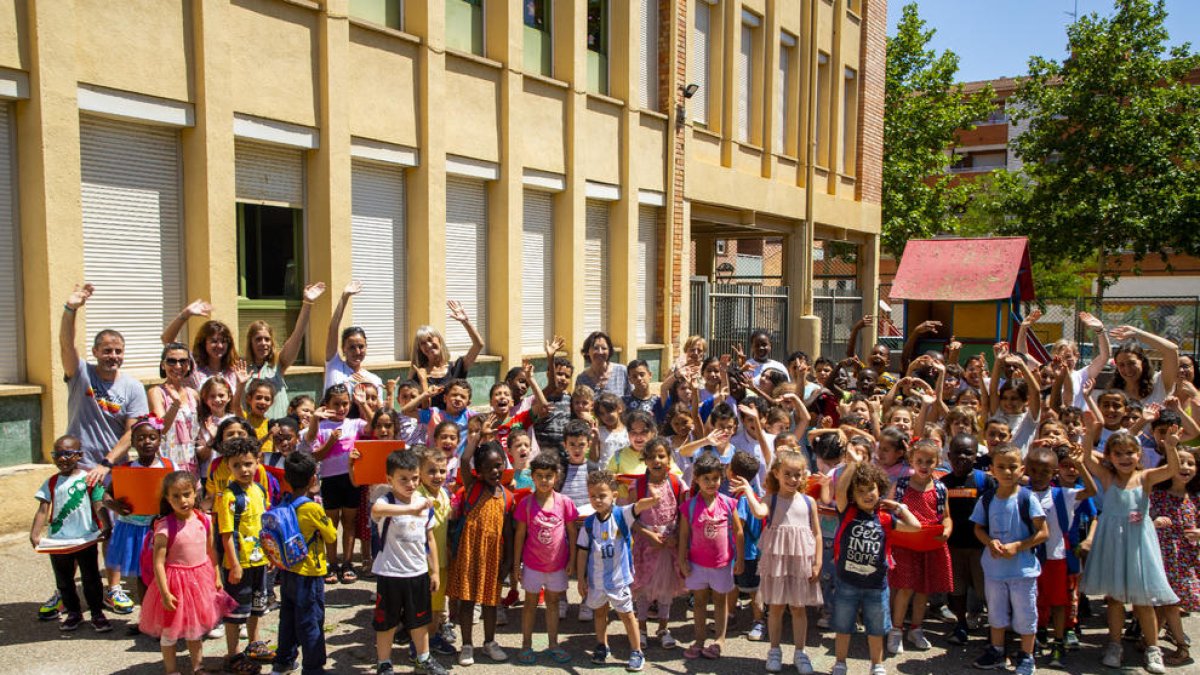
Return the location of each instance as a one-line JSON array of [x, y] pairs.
[[146, 559]]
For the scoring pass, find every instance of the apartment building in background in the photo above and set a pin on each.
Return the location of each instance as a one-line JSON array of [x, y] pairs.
[[545, 162]]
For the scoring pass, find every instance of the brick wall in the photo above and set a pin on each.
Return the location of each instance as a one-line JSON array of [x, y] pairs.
[[674, 57], [873, 54]]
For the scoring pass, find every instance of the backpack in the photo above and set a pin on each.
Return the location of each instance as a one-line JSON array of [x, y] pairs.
[[146, 556], [939, 489], [281, 538], [622, 530], [1060, 513], [1024, 501], [641, 487]]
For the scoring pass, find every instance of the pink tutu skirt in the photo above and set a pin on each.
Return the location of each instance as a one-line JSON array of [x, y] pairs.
[[785, 563], [655, 576], [199, 604]]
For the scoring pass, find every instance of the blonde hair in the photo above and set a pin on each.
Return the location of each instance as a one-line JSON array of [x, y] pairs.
[[253, 330], [782, 457], [418, 358], [962, 413]]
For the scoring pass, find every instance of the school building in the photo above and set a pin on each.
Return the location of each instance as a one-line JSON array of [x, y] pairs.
[[551, 164]]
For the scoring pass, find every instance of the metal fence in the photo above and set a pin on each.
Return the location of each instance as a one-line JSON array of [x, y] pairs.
[[726, 313], [838, 309], [1176, 318]]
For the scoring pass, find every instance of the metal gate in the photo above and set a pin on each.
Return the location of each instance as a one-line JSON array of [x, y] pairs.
[[726, 313], [839, 309]]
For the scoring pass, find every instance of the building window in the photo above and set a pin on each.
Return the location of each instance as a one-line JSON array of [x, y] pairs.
[[822, 126], [746, 79], [850, 123], [597, 46], [270, 252], [538, 54], [702, 37], [648, 25], [464, 25], [11, 332], [784, 140], [388, 13]]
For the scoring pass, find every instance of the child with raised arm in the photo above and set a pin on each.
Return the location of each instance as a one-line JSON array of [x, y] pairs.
[[604, 567]]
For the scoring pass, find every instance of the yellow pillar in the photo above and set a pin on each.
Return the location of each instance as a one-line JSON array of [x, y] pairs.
[[623, 214], [506, 195], [51, 236], [570, 206], [868, 284]]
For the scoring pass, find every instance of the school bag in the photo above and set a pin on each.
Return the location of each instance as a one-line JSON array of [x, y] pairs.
[[622, 530], [280, 536], [1060, 513], [641, 486], [146, 556], [939, 489], [1024, 501]]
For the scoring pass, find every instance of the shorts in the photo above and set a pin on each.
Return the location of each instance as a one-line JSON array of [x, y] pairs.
[[848, 599], [250, 592], [966, 570], [717, 579], [438, 598], [402, 600], [534, 581], [747, 581], [621, 600], [337, 492], [1054, 587], [1012, 603]]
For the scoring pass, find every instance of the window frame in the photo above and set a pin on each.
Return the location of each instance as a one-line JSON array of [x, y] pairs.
[[598, 80], [298, 253]]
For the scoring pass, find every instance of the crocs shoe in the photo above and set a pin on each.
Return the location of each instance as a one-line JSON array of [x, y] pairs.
[[774, 660], [803, 665], [117, 600], [52, 608], [666, 640]]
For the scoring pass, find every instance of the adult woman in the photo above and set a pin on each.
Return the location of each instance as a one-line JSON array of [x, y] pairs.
[[269, 363], [1135, 375], [694, 349], [431, 359], [602, 375], [176, 402], [213, 350], [347, 367]]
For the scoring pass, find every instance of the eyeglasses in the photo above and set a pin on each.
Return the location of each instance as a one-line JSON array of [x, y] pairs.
[[176, 362]]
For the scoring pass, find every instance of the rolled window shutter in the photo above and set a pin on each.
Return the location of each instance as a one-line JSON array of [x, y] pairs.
[[744, 65], [537, 272], [781, 98], [595, 260], [647, 273], [269, 174], [132, 233], [466, 257], [10, 294], [377, 243], [701, 53], [649, 67]]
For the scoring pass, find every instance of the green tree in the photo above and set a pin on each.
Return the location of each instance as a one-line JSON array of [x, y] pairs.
[[1112, 150], [923, 109]]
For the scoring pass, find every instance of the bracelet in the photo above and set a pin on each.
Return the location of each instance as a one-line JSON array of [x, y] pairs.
[[68, 308]]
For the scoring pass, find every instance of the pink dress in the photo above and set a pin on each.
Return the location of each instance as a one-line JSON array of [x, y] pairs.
[[656, 577], [787, 551], [199, 603], [922, 571]]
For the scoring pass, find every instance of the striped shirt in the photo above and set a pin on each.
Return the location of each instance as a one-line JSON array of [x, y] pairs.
[[610, 559]]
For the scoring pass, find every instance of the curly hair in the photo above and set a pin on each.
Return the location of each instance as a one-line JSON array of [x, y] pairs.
[[865, 475]]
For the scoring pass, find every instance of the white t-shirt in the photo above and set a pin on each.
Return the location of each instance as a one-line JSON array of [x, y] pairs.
[[337, 372], [769, 364], [1056, 548], [404, 551], [1022, 427]]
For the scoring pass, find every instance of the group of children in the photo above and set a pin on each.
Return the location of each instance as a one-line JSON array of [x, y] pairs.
[[869, 496]]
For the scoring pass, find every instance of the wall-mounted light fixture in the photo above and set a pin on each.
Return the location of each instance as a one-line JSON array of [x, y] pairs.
[[690, 90]]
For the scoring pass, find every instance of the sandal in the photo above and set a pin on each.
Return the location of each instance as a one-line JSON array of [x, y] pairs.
[[1178, 657], [559, 655], [693, 652], [241, 664], [260, 651], [347, 575], [712, 651], [527, 657], [331, 577]]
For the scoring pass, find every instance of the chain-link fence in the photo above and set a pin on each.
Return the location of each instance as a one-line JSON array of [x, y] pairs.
[[839, 310], [1175, 318]]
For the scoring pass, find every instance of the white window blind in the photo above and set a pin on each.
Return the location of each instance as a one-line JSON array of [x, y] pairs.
[[647, 274], [595, 268], [466, 256], [10, 283], [132, 235], [377, 254], [537, 271], [701, 56], [783, 92], [745, 82], [269, 174], [648, 72]]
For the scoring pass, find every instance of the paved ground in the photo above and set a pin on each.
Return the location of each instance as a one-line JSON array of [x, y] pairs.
[[29, 646]]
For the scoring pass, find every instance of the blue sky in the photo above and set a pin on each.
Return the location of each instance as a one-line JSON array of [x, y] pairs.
[[996, 38]]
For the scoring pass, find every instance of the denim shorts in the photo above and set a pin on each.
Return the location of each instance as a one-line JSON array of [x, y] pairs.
[[873, 602]]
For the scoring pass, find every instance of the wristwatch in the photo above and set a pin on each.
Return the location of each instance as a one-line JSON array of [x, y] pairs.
[[104, 461]]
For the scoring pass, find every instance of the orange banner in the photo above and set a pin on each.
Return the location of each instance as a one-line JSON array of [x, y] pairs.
[[371, 467], [139, 487]]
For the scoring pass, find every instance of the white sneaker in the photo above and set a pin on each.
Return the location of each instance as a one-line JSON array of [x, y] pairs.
[[775, 660], [1154, 660], [667, 640], [477, 614], [803, 665], [243, 633], [501, 616], [895, 641], [878, 669], [839, 668], [917, 637], [823, 621], [1112, 655], [585, 612], [217, 633], [493, 651], [947, 614], [757, 631], [466, 657], [562, 608]]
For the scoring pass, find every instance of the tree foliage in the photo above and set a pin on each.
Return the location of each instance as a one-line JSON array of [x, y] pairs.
[[1112, 152], [923, 110]]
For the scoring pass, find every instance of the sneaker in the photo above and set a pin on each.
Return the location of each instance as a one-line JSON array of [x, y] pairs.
[[430, 666], [637, 661], [243, 634], [1154, 660], [52, 608], [774, 660], [288, 670], [501, 616], [895, 641], [585, 612], [917, 637], [216, 633], [493, 651], [992, 657], [976, 621], [70, 623], [839, 668], [100, 624], [1112, 655], [562, 608], [959, 636], [438, 644], [666, 640], [1025, 664], [384, 669], [467, 656], [1057, 654], [878, 669], [600, 654], [1071, 641], [478, 614], [757, 631], [117, 600], [947, 614], [823, 621], [803, 665], [450, 632]]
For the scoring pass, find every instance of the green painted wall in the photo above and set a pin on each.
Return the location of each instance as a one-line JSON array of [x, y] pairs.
[[20, 430]]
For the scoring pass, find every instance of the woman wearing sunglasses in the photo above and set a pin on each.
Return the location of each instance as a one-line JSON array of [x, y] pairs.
[[176, 402]]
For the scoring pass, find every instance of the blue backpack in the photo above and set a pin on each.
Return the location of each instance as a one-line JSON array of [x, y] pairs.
[[281, 538]]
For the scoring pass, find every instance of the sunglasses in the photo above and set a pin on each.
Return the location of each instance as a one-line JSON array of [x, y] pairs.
[[176, 362], [66, 454]]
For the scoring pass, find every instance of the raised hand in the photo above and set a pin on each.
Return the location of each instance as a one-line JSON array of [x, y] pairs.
[[1096, 325], [1033, 317], [928, 327], [241, 371], [555, 346], [314, 291], [866, 320], [1000, 349], [954, 345], [80, 295], [1124, 333], [457, 312], [354, 287], [198, 308]]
